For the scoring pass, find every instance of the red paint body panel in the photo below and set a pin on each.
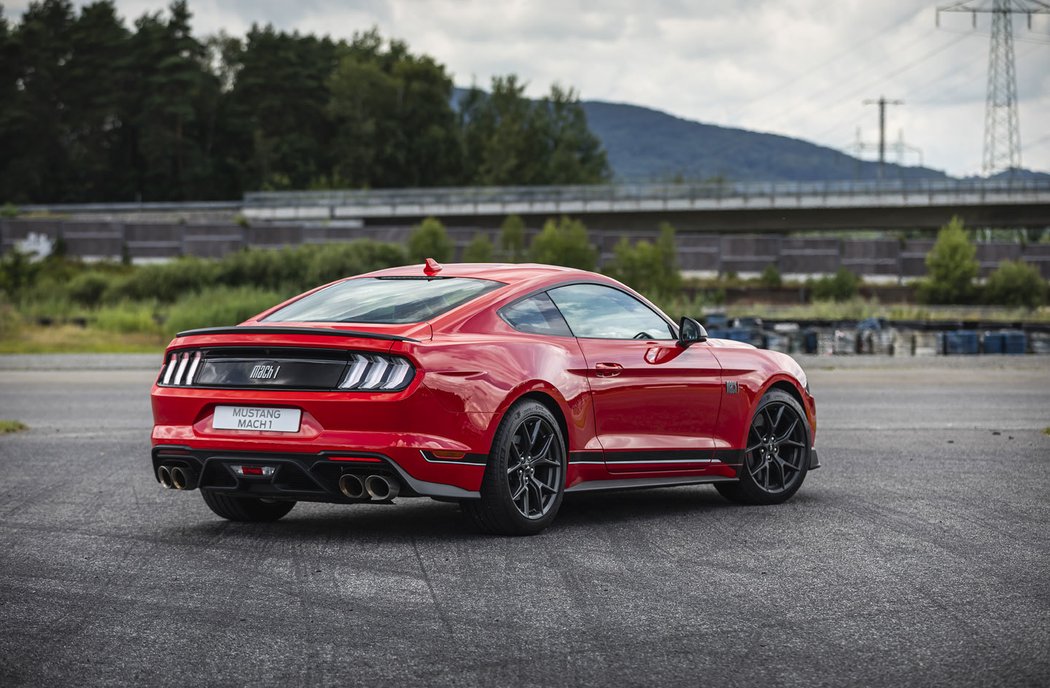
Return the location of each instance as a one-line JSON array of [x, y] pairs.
[[471, 366]]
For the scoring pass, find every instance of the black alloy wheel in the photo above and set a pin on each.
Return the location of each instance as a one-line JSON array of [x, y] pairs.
[[525, 478], [777, 455]]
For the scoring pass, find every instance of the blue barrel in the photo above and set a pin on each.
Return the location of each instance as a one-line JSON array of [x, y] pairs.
[[739, 334], [994, 342], [810, 342], [963, 342], [1016, 342], [716, 333]]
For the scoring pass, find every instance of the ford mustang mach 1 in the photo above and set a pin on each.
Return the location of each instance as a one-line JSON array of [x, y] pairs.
[[501, 387]]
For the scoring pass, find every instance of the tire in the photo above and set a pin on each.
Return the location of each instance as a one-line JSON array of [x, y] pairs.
[[774, 463], [245, 508], [524, 479]]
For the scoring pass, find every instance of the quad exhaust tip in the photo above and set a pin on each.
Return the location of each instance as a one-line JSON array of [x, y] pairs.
[[381, 487], [182, 479], [177, 477], [352, 486]]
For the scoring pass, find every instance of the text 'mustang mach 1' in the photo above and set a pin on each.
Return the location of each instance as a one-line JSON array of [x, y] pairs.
[[502, 387]]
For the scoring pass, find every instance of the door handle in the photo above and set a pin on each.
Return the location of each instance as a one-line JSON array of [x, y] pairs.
[[608, 369]]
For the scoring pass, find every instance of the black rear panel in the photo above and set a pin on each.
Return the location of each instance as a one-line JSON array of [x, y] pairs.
[[271, 367]]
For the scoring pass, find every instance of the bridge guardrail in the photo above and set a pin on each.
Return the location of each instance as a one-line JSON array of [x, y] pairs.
[[642, 192]]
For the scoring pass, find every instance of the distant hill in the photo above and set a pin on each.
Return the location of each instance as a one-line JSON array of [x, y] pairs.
[[648, 145]]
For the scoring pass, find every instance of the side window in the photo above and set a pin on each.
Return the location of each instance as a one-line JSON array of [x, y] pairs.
[[536, 315], [600, 312]]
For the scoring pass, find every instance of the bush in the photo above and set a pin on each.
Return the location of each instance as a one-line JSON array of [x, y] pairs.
[[1016, 283], [564, 243], [512, 239], [771, 277], [166, 282], [220, 306], [842, 286], [430, 240], [279, 269], [88, 288], [127, 318], [479, 250], [10, 320], [651, 269], [951, 267], [331, 262], [17, 273]]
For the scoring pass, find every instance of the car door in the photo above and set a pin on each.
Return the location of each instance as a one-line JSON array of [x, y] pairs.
[[655, 403]]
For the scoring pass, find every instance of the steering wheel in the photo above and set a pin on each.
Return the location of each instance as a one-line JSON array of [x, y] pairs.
[[642, 335]]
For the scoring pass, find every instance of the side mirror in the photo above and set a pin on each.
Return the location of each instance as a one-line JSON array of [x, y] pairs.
[[690, 332]]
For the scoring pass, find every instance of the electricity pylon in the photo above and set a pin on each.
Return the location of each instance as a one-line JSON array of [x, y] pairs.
[[882, 103], [1002, 135]]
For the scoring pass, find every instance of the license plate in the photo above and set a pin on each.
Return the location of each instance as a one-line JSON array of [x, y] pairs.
[[257, 418]]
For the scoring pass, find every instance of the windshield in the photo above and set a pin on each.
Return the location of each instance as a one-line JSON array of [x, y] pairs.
[[384, 300]]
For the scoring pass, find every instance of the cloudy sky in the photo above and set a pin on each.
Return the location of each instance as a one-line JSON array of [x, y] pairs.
[[796, 67]]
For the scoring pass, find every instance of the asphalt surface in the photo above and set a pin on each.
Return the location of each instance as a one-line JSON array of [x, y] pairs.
[[918, 555]]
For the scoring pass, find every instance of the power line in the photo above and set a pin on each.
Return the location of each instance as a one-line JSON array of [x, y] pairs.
[[856, 92], [837, 56]]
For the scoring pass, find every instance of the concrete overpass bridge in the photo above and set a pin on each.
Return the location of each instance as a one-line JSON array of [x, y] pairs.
[[708, 207]]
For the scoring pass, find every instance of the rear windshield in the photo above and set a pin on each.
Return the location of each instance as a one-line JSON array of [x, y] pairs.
[[384, 300]]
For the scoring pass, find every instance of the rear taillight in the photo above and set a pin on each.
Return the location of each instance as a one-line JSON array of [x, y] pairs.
[[381, 372], [231, 368], [180, 368]]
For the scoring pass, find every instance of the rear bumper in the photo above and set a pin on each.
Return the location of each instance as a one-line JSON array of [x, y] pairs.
[[299, 476], [407, 430]]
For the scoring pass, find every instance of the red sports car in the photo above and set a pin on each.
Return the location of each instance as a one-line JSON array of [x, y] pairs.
[[501, 387]]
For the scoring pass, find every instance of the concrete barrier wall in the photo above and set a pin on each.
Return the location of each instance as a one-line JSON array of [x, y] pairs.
[[712, 253]]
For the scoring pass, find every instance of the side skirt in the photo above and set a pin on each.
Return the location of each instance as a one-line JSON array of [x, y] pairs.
[[640, 483]]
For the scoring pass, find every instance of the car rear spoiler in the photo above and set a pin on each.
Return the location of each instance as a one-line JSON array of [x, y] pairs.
[[322, 331]]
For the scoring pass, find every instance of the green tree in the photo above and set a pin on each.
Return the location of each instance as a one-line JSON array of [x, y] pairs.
[[511, 140], [771, 277], [97, 73], [574, 155], [647, 267], [279, 103], [566, 243], [479, 250], [512, 239], [951, 267], [1016, 283], [430, 240], [171, 84], [394, 121], [35, 119]]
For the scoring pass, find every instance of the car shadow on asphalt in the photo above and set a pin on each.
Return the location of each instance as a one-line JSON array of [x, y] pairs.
[[424, 518]]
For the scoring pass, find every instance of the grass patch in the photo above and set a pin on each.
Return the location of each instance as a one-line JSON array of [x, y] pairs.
[[69, 339], [220, 306], [1046, 431], [9, 426]]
